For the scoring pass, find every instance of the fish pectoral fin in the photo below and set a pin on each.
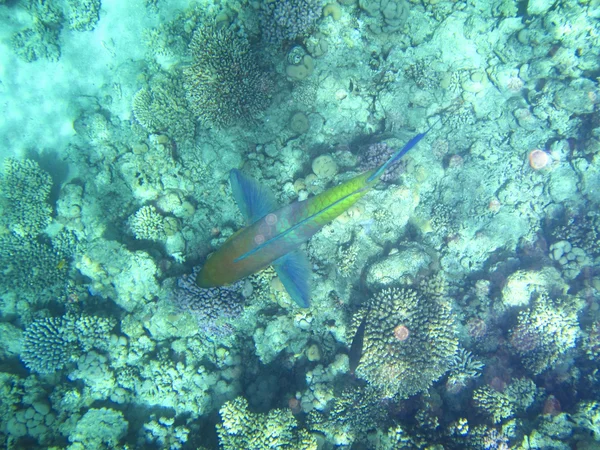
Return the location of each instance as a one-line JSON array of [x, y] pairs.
[[294, 272], [253, 200]]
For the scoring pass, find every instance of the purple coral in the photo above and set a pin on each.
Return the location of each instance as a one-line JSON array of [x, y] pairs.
[[285, 20], [377, 154], [209, 305]]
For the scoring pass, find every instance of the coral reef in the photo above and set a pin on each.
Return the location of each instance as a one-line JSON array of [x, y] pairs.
[[50, 344], [99, 427], [161, 107], [356, 411], [285, 20], [147, 223], [241, 428], [24, 188], [83, 14], [225, 84], [403, 366], [214, 308], [544, 333]]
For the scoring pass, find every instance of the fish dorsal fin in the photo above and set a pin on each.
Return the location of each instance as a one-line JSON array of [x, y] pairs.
[[253, 200], [293, 270]]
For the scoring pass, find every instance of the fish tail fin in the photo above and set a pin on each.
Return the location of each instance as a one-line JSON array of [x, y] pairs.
[[400, 153]]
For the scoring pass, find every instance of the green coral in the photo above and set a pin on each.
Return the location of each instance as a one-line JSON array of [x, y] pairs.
[[405, 365], [224, 84], [25, 188], [275, 430], [544, 333]]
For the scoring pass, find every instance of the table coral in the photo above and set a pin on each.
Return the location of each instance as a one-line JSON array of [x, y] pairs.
[[408, 366]]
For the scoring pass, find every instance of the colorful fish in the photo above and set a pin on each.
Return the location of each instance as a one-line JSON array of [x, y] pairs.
[[273, 234]]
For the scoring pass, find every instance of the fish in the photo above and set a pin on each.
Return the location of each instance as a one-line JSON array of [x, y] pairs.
[[356, 347], [273, 233]]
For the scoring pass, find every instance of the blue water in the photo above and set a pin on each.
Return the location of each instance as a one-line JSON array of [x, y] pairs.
[[455, 306]]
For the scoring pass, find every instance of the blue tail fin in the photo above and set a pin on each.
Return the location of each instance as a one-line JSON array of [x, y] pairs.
[[400, 153]]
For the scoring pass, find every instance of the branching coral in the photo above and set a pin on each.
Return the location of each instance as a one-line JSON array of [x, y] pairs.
[[32, 268], [409, 341], [225, 84], [213, 307], [285, 20], [147, 223], [161, 107], [544, 333], [25, 188], [49, 344], [278, 429], [355, 412]]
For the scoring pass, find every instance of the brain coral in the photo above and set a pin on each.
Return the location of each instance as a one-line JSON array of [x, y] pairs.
[[224, 84], [409, 341]]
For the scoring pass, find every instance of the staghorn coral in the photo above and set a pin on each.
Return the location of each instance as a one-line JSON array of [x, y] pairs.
[[24, 188], [278, 429], [285, 20], [544, 333], [147, 223], [224, 85], [409, 341]]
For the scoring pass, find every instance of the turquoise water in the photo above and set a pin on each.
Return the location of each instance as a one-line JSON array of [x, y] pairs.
[[455, 306]]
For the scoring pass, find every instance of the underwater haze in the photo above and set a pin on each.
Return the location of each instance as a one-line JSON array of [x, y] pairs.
[[300, 224]]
